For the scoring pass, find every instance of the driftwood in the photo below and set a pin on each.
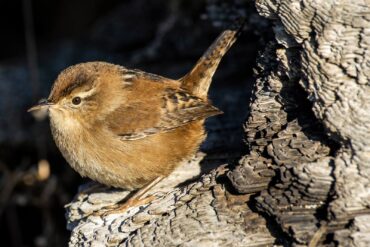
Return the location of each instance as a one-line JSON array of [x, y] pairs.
[[327, 43], [202, 213], [305, 179]]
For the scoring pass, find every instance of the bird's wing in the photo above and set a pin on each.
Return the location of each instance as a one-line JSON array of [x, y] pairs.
[[167, 110]]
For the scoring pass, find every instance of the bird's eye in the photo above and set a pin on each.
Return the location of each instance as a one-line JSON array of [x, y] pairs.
[[76, 100]]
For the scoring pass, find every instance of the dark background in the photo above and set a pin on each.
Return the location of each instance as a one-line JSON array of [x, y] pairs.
[[41, 38]]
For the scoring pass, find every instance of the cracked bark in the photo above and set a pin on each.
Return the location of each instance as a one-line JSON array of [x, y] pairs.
[[315, 140]]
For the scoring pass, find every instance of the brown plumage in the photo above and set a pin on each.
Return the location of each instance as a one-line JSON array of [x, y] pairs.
[[124, 128]]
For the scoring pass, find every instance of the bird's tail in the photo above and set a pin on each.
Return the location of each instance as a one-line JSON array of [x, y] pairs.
[[198, 80]]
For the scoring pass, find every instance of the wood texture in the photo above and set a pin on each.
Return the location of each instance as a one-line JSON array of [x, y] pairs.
[[312, 143], [202, 213]]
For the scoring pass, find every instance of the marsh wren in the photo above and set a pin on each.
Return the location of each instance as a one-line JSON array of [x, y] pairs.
[[125, 128]]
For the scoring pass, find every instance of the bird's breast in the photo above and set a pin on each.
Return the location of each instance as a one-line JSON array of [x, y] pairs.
[[91, 152], [104, 157]]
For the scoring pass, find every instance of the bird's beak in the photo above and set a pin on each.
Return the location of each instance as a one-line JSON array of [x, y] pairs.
[[43, 104]]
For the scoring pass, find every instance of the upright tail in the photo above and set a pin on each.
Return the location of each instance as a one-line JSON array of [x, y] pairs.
[[198, 80]]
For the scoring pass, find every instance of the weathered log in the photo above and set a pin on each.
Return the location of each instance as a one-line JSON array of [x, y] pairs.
[[286, 138], [202, 213], [322, 176]]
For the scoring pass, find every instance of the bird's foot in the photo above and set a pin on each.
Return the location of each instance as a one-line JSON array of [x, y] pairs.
[[123, 207]]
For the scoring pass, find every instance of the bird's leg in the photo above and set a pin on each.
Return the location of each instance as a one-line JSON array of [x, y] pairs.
[[139, 198], [141, 193]]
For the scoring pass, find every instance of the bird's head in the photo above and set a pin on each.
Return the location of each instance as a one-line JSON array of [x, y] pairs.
[[84, 93]]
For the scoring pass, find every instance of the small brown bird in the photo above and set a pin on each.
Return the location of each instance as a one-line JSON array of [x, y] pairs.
[[126, 128]]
